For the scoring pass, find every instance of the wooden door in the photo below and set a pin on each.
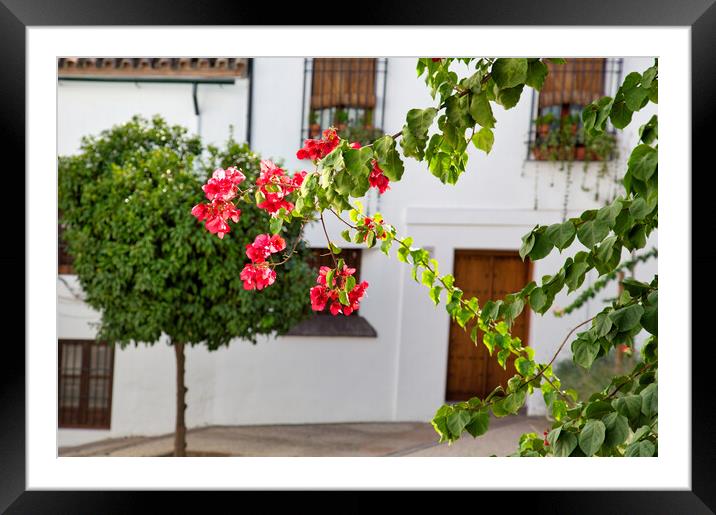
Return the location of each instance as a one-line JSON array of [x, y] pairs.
[[487, 275]]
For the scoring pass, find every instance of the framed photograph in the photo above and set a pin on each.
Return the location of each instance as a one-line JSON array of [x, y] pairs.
[[179, 162]]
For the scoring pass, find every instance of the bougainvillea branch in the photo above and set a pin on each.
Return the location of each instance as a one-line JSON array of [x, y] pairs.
[[606, 425]]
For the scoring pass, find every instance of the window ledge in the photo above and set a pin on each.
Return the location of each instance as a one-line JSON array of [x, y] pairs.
[[329, 325]]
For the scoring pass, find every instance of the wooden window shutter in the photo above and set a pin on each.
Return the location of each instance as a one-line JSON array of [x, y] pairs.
[[578, 81], [343, 83]]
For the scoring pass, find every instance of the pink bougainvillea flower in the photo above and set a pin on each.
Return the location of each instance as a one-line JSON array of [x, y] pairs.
[[257, 276], [217, 225], [275, 185], [319, 298], [216, 214], [377, 179], [315, 149], [356, 145], [263, 246], [223, 184], [322, 294]]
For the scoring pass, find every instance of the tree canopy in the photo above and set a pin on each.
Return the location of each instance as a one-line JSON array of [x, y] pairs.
[[125, 200]]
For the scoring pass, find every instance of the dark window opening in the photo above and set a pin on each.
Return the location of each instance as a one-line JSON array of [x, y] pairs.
[[85, 373], [322, 257], [347, 94], [556, 124], [323, 323]]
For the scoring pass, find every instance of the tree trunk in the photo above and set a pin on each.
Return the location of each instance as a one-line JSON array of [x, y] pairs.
[[180, 430]]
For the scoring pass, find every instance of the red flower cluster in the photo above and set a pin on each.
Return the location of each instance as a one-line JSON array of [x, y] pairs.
[[275, 185], [323, 293], [315, 149], [546, 443], [258, 274], [377, 179], [220, 189], [224, 184]]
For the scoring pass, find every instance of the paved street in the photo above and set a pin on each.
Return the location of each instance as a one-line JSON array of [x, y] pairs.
[[351, 439]]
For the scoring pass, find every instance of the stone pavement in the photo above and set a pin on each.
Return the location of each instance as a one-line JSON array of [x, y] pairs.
[[349, 439]]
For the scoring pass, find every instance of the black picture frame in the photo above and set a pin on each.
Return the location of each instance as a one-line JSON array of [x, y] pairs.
[[699, 15]]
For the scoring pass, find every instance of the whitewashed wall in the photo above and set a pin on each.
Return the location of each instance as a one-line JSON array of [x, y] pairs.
[[400, 375]]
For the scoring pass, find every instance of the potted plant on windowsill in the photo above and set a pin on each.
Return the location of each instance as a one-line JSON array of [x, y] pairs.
[[340, 119], [314, 128]]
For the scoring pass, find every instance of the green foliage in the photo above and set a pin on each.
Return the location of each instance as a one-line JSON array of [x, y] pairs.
[[621, 418], [145, 263]]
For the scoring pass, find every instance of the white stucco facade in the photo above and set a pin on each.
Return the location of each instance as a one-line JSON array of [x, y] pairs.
[[401, 373]]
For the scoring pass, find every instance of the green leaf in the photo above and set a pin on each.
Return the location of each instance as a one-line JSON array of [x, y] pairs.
[[649, 132], [650, 400], [329, 277], [627, 318], [597, 409], [542, 246], [275, 225], [457, 421], [629, 406], [564, 444], [490, 310], [509, 72], [650, 319], [620, 114], [528, 241], [640, 208], [508, 98], [346, 235], [617, 427], [457, 111], [576, 274], [561, 235], [415, 131], [643, 162], [592, 232], [524, 366], [481, 111], [536, 74], [479, 423], [343, 298], [428, 278], [388, 158], [643, 449], [635, 98], [483, 139], [350, 282], [592, 436], [334, 249], [538, 300], [435, 294], [602, 324], [585, 351]]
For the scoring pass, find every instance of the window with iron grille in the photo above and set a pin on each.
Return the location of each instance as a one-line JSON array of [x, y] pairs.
[[348, 94], [556, 125], [86, 369]]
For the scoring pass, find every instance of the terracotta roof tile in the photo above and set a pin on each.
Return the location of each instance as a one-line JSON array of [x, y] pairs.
[[152, 66]]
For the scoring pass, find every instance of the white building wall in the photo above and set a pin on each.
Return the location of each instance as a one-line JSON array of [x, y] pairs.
[[400, 375]]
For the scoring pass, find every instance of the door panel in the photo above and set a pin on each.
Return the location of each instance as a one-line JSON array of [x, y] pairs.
[[487, 275]]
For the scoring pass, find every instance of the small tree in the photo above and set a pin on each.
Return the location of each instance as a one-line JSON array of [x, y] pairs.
[[125, 201]]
